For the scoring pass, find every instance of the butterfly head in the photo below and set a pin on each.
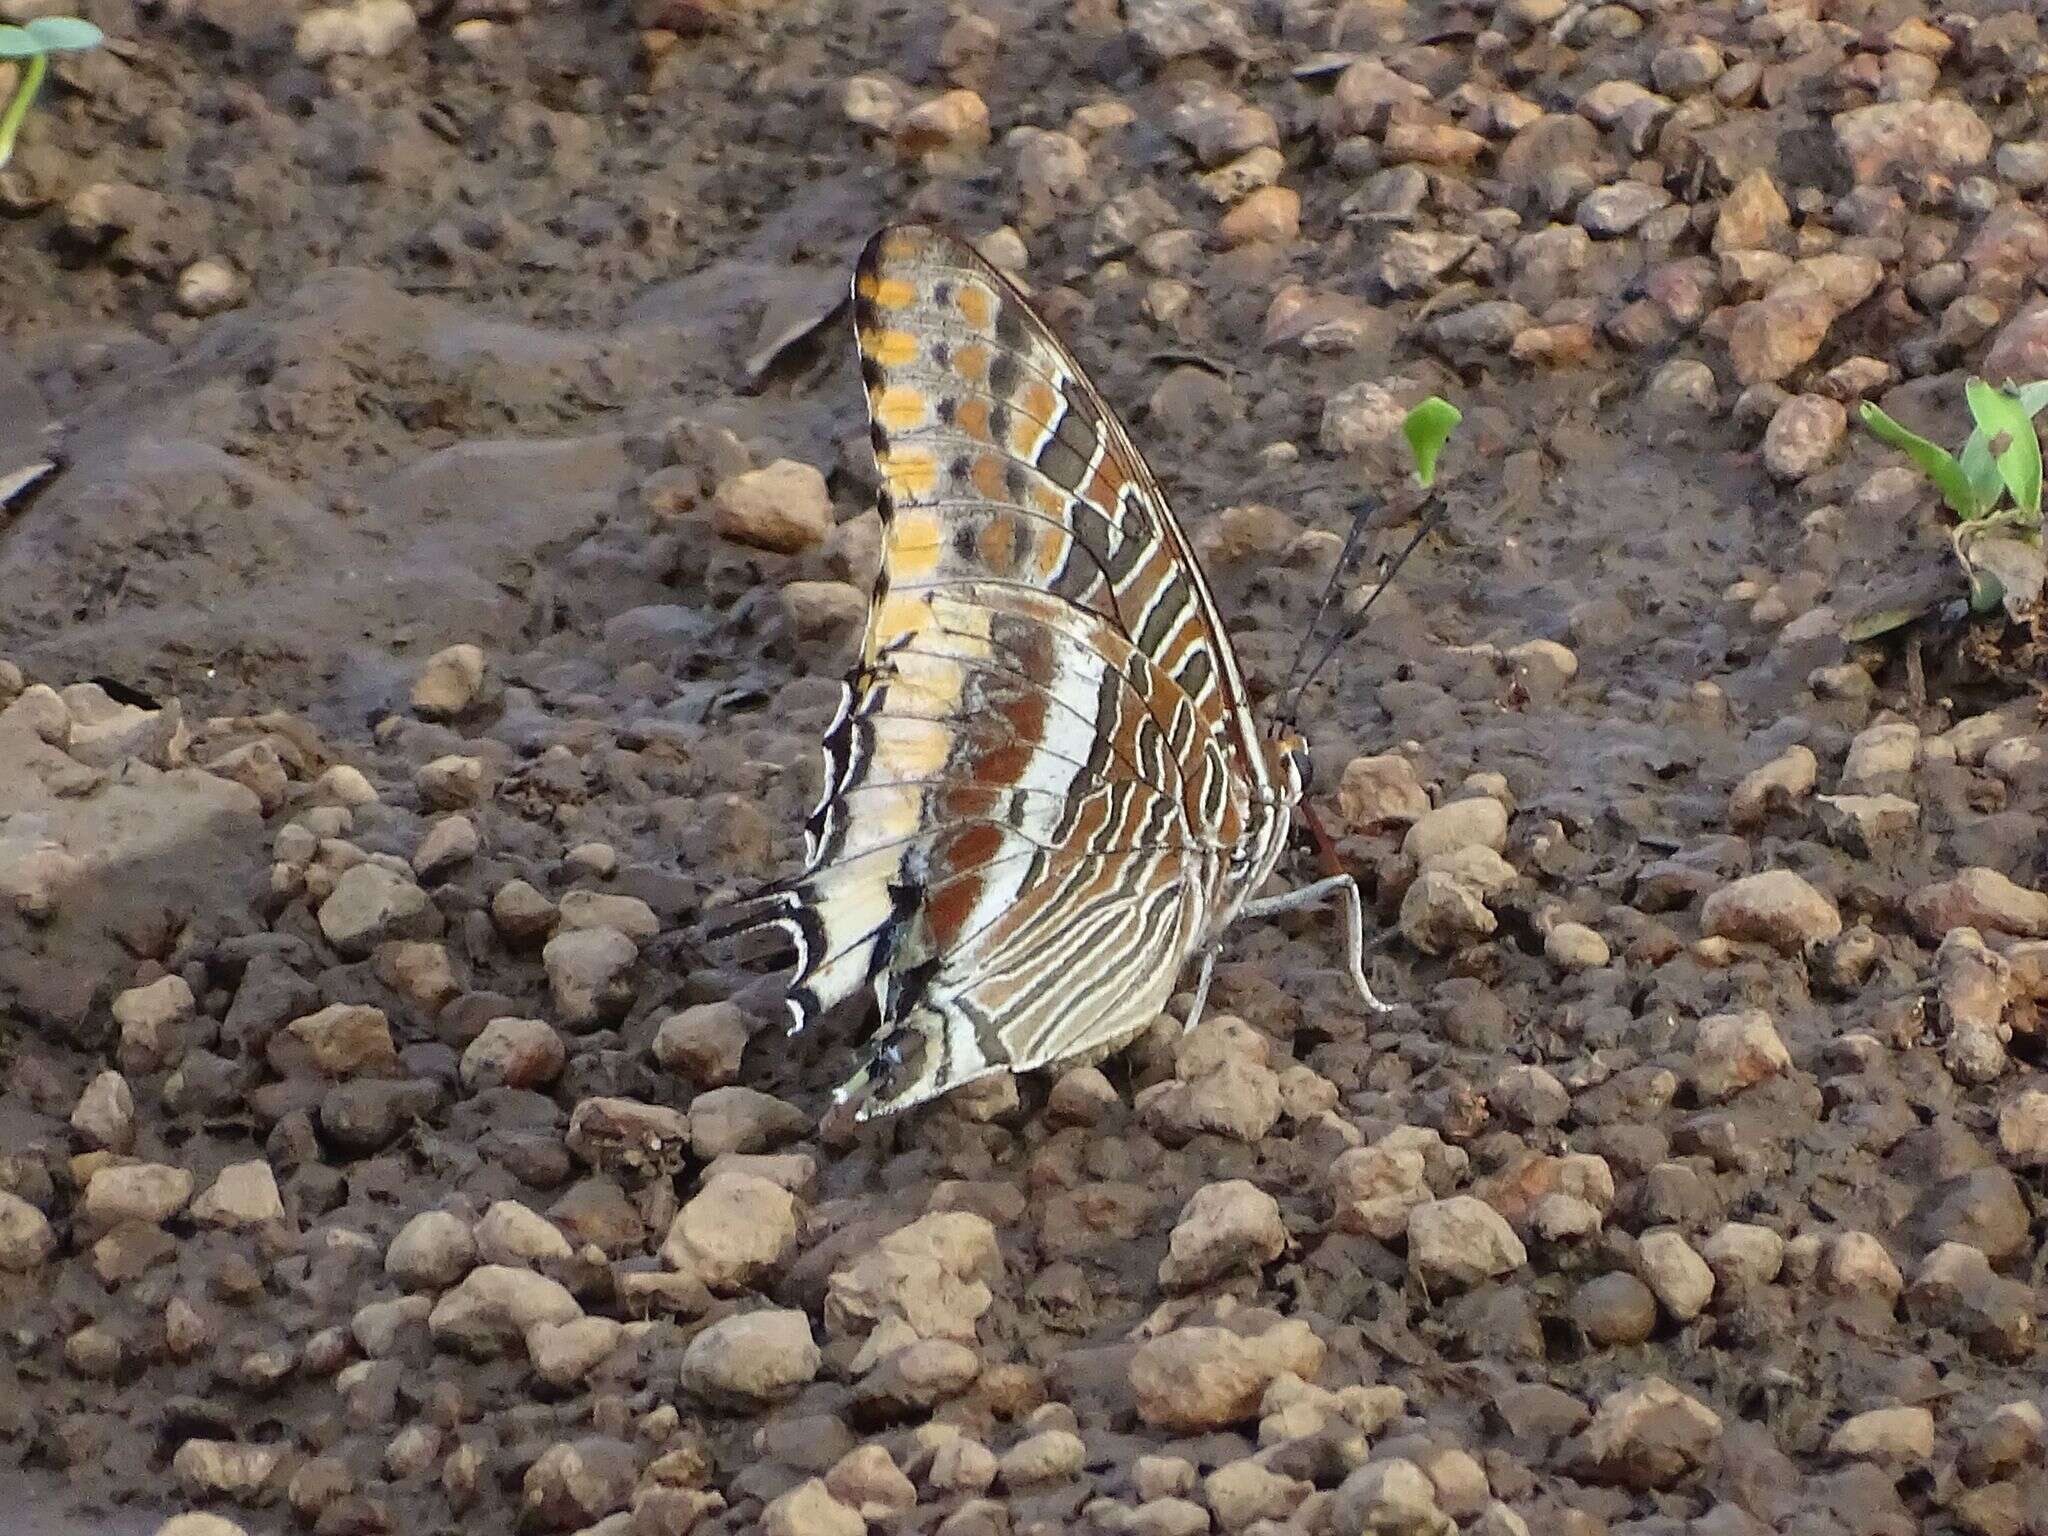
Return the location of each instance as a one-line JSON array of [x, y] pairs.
[[1287, 763]]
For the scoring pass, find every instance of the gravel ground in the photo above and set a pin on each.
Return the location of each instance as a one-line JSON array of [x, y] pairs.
[[462, 520]]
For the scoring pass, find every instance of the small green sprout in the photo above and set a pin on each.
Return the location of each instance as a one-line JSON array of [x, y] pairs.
[[1428, 427], [32, 43], [1993, 486]]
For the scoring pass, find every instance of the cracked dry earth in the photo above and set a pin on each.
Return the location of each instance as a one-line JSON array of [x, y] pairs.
[[463, 519]]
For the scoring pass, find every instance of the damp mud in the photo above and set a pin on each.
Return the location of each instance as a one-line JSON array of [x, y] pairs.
[[461, 519]]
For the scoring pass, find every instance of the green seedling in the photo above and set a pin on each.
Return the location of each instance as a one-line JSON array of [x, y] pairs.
[[1993, 486], [1428, 427], [30, 45]]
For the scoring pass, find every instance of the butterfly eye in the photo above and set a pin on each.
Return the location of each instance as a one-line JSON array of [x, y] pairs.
[[1304, 770]]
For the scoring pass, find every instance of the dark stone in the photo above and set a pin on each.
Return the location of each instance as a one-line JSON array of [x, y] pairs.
[[367, 1115]]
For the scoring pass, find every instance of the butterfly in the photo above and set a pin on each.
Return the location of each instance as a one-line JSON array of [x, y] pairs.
[[1045, 790]]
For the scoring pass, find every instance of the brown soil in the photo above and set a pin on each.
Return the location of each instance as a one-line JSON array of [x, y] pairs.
[[514, 306]]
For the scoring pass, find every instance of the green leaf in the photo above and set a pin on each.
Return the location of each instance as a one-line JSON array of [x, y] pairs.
[[63, 33], [1981, 470], [1428, 427], [2033, 397], [1882, 620], [2019, 466], [1937, 464], [16, 43]]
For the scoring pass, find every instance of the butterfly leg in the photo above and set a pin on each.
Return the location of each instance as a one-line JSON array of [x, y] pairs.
[[1201, 989], [1354, 924]]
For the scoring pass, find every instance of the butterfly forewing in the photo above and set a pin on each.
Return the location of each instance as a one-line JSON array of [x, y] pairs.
[[1045, 760]]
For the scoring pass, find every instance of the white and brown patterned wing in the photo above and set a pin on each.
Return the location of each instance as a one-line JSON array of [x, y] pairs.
[[983, 418], [1044, 757]]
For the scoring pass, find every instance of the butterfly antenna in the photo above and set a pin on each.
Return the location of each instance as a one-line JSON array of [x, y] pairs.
[[1346, 558], [1430, 519]]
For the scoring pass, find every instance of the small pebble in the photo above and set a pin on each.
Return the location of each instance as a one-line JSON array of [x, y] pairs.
[[1615, 1309], [1225, 1227], [1680, 1279], [210, 286], [1575, 947], [448, 684], [752, 1359], [1461, 1241], [1904, 1435], [26, 1238]]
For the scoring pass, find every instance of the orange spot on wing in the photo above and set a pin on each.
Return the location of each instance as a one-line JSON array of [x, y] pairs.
[[977, 306], [910, 473], [971, 362], [902, 245], [886, 292], [892, 349], [1001, 767], [899, 614], [1051, 551], [972, 415], [1033, 653], [1026, 715], [1038, 399], [998, 544], [946, 913], [901, 407], [967, 851], [965, 802], [913, 548], [987, 476]]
